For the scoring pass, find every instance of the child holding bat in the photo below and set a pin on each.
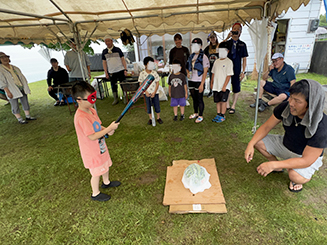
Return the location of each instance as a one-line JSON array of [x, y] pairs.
[[152, 93], [177, 89], [91, 141]]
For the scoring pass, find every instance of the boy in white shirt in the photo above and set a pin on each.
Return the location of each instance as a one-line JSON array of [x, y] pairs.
[[222, 71], [152, 93]]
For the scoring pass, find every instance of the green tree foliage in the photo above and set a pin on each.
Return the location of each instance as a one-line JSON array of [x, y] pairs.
[[64, 46], [323, 21]]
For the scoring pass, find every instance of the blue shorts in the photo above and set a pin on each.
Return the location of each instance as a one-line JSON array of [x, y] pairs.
[[178, 102], [152, 101], [273, 90]]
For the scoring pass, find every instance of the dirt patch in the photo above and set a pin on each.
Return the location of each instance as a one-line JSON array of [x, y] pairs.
[[159, 197], [147, 178], [161, 164], [177, 139], [233, 135]]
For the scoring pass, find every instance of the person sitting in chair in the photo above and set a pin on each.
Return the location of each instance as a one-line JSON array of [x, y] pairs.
[[283, 76], [56, 76]]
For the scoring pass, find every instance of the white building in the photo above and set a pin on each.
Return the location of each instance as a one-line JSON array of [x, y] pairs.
[[293, 38]]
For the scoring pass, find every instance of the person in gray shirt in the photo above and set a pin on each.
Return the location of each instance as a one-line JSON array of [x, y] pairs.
[[72, 64]]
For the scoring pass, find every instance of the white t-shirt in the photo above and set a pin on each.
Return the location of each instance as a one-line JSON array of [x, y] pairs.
[[222, 69], [153, 85]]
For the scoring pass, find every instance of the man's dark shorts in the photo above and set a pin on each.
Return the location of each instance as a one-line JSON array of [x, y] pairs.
[[273, 90], [220, 96], [236, 83]]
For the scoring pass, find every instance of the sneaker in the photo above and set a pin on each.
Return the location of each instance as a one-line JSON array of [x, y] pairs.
[[262, 107], [187, 103], [22, 121], [253, 105], [101, 197], [182, 118], [57, 103], [30, 118], [149, 122], [175, 118], [159, 121], [111, 184]]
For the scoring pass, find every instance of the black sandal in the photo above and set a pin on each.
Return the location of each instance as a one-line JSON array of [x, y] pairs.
[[231, 111]]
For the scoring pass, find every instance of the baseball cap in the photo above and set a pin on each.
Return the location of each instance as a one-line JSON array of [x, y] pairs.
[[237, 23], [107, 37], [197, 40], [2, 54], [277, 55]]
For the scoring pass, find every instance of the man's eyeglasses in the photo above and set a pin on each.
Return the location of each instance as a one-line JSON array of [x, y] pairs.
[[274, 61]]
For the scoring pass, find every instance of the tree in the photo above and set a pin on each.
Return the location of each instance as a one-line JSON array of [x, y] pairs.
[[322, 21], [64, 46]]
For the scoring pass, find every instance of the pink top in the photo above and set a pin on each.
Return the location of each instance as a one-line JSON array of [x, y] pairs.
[[94, 152], [205, 63]]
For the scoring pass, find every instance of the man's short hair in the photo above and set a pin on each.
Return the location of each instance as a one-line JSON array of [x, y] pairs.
[[178, 36], [147, 59], [81, 88], [53, 60], [301, 87]]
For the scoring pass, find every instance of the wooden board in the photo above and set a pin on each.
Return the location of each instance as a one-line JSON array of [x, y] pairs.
[[182, 200], [198, 208]]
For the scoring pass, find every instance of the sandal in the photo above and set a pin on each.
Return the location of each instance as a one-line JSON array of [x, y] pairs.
[[193, 116], [199, 119], [294, 184], [220, 119], [231, 111]]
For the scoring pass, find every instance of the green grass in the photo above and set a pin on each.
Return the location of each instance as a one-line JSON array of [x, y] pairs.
[[45, 190], [249, 84]]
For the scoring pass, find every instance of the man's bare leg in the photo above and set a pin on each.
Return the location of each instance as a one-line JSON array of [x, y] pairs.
[[260, 146], [297, 180], [277, 100]]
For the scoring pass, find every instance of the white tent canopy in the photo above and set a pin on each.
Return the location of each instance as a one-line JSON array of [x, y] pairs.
[[42, 21]]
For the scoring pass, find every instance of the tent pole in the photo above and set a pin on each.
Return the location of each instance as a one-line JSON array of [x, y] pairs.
[[61, 11], [254, 129]]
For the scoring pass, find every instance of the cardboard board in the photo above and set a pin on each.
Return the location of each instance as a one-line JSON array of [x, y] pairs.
[[182, 200]]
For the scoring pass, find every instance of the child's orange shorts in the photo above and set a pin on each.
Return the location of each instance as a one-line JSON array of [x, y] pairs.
[[101, 169]]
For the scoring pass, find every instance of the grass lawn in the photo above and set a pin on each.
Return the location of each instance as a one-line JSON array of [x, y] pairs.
[[45, 190]]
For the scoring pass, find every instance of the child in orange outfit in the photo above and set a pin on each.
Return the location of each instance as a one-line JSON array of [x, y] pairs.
[[91, 140]]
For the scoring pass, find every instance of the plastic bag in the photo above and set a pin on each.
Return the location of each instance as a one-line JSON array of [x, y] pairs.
[[206, 86], [196, 178], [98, 87], [162, 94]]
